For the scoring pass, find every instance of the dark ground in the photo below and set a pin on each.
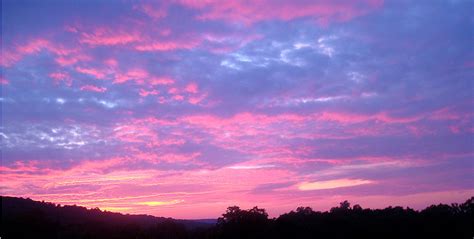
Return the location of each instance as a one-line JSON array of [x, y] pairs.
[[25, 218]]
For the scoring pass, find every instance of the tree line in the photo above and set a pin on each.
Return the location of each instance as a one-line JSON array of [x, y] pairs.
[[25, 218]]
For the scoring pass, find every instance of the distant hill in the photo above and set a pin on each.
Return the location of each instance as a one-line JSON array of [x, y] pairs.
[[25, 218], [18, 214]]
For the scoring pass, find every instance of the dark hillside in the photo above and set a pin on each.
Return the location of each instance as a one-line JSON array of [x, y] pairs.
[[25, 218]]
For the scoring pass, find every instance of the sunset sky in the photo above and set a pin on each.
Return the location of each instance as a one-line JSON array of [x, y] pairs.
[[182, 108]]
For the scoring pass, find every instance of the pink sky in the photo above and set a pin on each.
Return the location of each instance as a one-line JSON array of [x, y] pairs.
[[183, 108]]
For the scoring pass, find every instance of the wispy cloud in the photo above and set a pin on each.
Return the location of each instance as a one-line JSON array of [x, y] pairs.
[[330, 184]]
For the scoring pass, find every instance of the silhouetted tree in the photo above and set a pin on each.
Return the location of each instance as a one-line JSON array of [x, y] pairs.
[[25, 218], [237, 223]]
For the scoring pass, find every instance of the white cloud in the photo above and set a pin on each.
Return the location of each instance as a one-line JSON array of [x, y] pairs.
[[252, 166], [60, 101], [329, 184]]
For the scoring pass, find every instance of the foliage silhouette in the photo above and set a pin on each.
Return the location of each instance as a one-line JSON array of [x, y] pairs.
[[25, 218], [237, 223]]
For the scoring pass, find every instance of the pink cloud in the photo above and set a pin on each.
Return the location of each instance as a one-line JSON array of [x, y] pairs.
[[70, 28], [178, 97], [22, 167], [143, 131], [33, 46], [322, 11], [225, 43], [140, 38], [419, 131], [197, 99], [61, 77], [225, 132], [138, 75], [71, 59], [168, 157], [357, 118], [445, 113], [157, 45], [119, 187], [3, 81], [455, 129], [145, 93], [191, 88], [265, 130], [161, 81], [173, 91], [111, 62], [64, 55], [109, 37], [93, 88], [9, 58], [243, 119], [154, 11], [91, 71], [135, 133], [212, 195]]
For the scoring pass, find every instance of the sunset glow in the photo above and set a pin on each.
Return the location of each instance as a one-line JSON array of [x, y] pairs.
[[182, 108]]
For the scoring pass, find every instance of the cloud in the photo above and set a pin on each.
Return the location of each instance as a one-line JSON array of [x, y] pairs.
[[166, 45], [91, 71], [103, 36], [145, 93], [244, 167], [33, 46], [156, 11], [3, 81], [93, 88], [322, 11], [330, 184], [191, 88], [160, 203], [59, 77], [161, 81], [300, 102]]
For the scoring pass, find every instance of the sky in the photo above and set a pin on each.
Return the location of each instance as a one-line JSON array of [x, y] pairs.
[[182, 108]]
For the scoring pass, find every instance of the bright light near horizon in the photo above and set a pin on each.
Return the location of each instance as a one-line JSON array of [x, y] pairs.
[[338, 183], [115, 209], [160, 203]]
